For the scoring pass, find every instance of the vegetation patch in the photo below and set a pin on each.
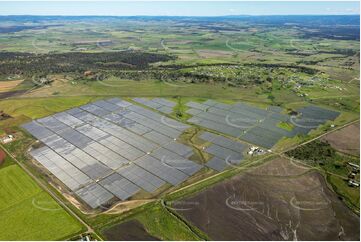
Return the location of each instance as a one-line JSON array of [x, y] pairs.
[[29, 213], [285, 125]]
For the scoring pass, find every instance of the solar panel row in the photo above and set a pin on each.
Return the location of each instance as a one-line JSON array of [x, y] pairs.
[[106, 105], [92, 132], [154, 125], [180, 149], [119, 102], [166, 173], [318, 113], [225, 151], [164, 102], [198, 106], [68, 119], [160, 104], [94, 195], [158, 137], [223, 141], [61, 168], [80, 159], [119, 186], [159, 118], [222, 128], [141, 177], [174, 160], [217, 164]]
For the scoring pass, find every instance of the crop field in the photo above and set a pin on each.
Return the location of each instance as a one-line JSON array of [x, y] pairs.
[[279, 201], [29, 213]]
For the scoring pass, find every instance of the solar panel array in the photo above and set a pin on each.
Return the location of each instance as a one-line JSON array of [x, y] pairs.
[[311, 117], [161, 104], [112, 149], [225, 151], [255, 125]]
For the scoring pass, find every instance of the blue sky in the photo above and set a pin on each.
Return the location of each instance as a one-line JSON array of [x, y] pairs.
[[176, 8]]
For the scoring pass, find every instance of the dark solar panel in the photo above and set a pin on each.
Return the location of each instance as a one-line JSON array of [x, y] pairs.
[[119, 186]]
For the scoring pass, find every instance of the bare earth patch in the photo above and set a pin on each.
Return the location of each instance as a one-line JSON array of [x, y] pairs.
[[128, 231], [280, 167], [346, 140], [6, 86], [2, 157], [126, 206], [214, 53], [179, 42], [277, 201]]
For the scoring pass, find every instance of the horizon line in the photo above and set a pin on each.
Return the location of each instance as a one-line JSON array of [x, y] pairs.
[[199, 16]]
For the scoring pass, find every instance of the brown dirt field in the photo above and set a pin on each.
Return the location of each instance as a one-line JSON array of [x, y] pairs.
[[346, 140], [8, 94], [279, 167], [6, 86], [284, 203], [128, 231], [2, 157], [178, 42], [214, 53], [123, 207], [85, 42]]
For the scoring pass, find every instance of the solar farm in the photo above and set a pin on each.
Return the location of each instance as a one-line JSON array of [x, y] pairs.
[[111, 150], [254, 125]]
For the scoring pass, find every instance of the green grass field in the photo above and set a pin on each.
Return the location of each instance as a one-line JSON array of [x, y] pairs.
[[40, 107], [161, 223], [29, 213]]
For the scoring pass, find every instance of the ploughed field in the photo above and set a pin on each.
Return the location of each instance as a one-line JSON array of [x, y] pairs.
[[276, 201], [128, 231], [346, 140]]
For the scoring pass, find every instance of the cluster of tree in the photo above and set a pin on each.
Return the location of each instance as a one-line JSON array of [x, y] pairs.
[[318, 151], [134, 65], [188, 77], [350, 32], [37, 64], [303, 69]]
